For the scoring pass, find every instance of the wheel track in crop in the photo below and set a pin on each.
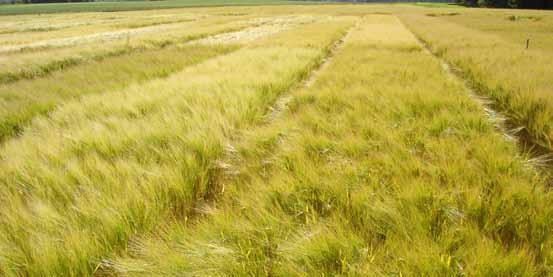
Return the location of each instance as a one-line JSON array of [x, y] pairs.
[[281, 103], [538, 157], [231, 164]]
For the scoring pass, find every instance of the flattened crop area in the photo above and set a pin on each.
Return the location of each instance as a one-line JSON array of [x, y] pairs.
[[254, 141]]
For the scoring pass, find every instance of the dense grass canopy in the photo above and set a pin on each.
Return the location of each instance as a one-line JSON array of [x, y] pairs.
[[289, 140]]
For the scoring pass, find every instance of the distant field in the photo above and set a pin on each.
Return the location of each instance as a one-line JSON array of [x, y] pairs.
[[113, 6], [288, 140], [128, 5]]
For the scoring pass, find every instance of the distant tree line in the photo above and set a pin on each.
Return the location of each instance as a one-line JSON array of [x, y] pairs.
[[40, 1], [523, 4], [388, 1], [55, 1]]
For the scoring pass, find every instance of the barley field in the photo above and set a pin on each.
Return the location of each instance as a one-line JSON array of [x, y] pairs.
[[276, 140]]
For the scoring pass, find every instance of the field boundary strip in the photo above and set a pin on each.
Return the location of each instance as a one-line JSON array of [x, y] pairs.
[[58, 65], [262, 27], [121, 34], [87, 38]]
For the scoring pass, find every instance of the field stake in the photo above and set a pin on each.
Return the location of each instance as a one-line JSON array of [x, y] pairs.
[[527, 43]]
